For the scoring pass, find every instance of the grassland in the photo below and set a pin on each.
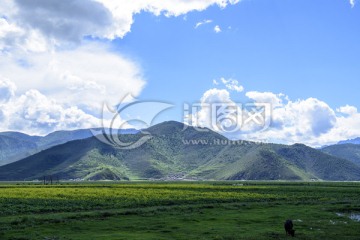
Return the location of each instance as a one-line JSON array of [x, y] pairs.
[[178, 210]]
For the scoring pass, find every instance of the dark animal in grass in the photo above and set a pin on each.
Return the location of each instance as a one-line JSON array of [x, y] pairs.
[[288, 225]]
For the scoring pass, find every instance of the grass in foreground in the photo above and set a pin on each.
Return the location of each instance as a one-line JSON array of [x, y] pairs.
[[213, 210]]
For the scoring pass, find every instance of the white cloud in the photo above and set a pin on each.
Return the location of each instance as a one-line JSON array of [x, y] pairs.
[[43, 53], [7, 28], [348, 110], [352, 3], [7, 90], [309, 121], [62, 21], [84, 77], [206, 21], [347, 127], [204, 117], [123, 11], [217, 29], [34, 113], [232, 84], [266, 97], [216, 96], [40, 25]]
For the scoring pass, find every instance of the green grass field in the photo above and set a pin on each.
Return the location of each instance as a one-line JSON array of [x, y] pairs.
[[179, 210]]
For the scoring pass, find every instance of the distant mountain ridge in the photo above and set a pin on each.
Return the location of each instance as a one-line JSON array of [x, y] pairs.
[[168, 156], [348, 151], [15, 146], [351, 141]]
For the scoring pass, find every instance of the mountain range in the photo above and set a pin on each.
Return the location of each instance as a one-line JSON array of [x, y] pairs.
[[177, 151], [348, 151], [350, 141], [15, 146]]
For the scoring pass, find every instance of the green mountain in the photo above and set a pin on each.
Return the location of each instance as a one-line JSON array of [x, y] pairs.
[[15, 146], [350, 152], [319, 164], [177, 151], [274, 162]]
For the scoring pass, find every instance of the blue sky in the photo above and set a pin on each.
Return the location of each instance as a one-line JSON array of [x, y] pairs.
[[300, 48], [60, 65]]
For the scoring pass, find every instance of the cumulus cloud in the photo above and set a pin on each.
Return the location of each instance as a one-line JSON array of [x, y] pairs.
[[301, 121], [41, 92], [309, 121], [65, 21], [212, 103], [45, 55], [266, 97], [216, 96], [311, 116], [348, 110], [217, 29], [347, 127], [41, 25], [123, 10], [34, 113], [85, 77]]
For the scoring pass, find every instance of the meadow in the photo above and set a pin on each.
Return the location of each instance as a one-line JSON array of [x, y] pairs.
[[179, 210]]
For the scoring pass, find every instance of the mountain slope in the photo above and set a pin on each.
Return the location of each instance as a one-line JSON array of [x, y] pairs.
[[350, 152], [319, 164], [275, 162], [252, 161], [60, 137], [16, 146], [160, 156], [177, 150]]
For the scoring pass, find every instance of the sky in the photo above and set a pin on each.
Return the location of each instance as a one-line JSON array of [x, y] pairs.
[[61, 61]]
